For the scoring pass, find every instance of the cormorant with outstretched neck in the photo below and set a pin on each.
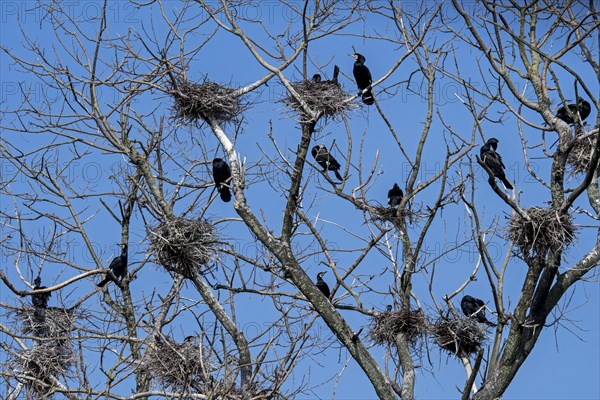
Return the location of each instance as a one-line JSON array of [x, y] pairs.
[[222, 176], [474, 308], [326, 160], [363, 78], [321, 285], [569, 113], [395, 195], [494, 162], [118, 266]]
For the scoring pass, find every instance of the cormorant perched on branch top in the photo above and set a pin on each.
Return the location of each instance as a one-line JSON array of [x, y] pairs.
[[222, 175], [395, 195], [40, 300], [321, 285], [494, 161], [474, 308], [326, 160], [362, 75], [582, 106], [118, 266]]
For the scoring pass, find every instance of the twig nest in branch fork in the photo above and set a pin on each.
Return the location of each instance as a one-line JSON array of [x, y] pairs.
[[184, 246], [51, 322], [202, 101], [325, 97], [581, 153], [546, 230], [458, 336], [387, 325]]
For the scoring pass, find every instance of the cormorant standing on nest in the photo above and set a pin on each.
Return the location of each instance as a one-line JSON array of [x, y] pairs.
[[389, 308], [321, 285], [316, 78], [362, 75], [474, 308], [494, 161], [118, 266], [326, 160], [336, 72], [222, 175], [40, 302], [582, 106], [395, 195]]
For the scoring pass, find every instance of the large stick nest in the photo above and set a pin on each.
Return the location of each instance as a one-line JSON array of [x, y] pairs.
[[387, 325], [51, 322], [580, 156], [458, 336], [204, 101], [177, 365], [37, 366], [324, 97], [184, 245], [546, 230]]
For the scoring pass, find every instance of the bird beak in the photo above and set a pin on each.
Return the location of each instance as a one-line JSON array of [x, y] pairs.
[[324, 272], [352, 55]]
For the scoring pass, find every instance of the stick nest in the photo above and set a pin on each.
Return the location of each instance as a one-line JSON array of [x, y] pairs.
[[184, 246], [39, 365], [49, 322], [204, 101], [324, 97], [460, 337], [580, 156], [387, 325], [177, 365], [546, 230]]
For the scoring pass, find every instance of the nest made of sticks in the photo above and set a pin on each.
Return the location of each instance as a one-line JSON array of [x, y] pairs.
[[387, 325], [184, 246], [546, 230], [37, 366], [206, 100], [177, 365], [581, 153], [51, 322], [325, 97], [458, 336]]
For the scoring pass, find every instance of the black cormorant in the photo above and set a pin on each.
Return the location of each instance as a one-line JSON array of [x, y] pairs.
[[118, 266], [222, 175], [474, 308], [40, 300], [395, 195], [582, 106], [362, 75], [494, 162], [321, 285], [326, 160]]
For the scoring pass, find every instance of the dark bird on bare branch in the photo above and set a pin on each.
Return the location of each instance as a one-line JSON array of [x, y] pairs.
[[40, 300], [494, 162], [474, 308], [326, 160], [321, 285], [569, 113], [222, 176], [363, 78], [395, 195], [118, 267]]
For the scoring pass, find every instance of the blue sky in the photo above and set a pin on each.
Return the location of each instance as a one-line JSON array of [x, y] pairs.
[[573, 359]]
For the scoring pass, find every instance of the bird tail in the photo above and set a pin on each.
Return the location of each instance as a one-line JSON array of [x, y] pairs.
[[507, 183], [225, 194], [367, 98], [104, 282], [336, 72], [337, 175]]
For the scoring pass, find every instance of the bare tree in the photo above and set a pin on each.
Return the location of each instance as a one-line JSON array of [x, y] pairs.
[[219, 298]]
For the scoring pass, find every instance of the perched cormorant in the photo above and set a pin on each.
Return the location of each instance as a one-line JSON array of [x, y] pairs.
[[326, 160], [321, 285], [395, 195], [582, 106], [40, 300], [494, 161], [221, 175], [316, 78], [389, 308], [474, 308], [362, 75], [118, 266]]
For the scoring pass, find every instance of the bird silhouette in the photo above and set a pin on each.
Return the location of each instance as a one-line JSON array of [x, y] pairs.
[[395, 195], [222, 175], [321, 285], [474, 308], [40, 300], [363, 78], [118, 266], [326, 160], [493, 160], [569, 113]]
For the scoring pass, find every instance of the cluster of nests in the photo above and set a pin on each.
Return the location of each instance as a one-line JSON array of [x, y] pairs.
[[327, 98], [197, 102], [581, 153], [545, 230], [458, 336], [184, 246], [52, 354]]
